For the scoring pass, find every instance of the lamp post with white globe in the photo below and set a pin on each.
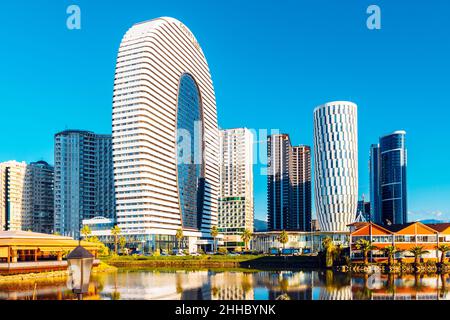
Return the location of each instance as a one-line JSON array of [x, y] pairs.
[[80, 263]]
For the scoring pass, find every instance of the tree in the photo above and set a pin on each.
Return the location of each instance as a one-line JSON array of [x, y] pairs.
[[417, 252], [122, 243], [443, 248], [390, 252], [283, 238], [86, 231], [329, 247], [103, 250], [246, 237], [214, 234], [115, 231], [179, 235], [365, 246]]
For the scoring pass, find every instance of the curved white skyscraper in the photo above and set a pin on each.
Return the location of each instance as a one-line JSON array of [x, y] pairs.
[[165, 138], [336, 164]]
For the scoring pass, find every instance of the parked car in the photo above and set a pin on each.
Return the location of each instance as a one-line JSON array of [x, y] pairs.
[[274, 251], [290, 251]]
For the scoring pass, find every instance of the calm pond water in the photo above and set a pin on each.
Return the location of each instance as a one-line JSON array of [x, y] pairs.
[[230, 285]]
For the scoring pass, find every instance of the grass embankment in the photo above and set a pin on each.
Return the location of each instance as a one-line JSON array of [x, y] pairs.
[[260, 262], [186, 262]]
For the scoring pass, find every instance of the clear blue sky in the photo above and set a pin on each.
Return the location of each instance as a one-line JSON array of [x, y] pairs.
[[272, 62]]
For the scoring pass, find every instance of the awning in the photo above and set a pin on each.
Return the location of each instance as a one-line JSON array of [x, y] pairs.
[[24, 248]]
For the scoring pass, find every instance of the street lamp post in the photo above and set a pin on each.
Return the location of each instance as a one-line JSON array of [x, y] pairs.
[[80, 263]]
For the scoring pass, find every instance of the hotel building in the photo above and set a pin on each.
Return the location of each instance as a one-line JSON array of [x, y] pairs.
[[374, 173], [388, 179], [300, 178], [288, 185], [13, 198], [40, 194], [26, 196], [84, 186], [336, 164], [236, 185], [403, 236], [165, 138]]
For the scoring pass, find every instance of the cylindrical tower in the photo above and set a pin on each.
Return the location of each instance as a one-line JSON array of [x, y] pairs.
[[336, 164]]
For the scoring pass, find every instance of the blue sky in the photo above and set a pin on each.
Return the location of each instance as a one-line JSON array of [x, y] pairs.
[[272, 62]]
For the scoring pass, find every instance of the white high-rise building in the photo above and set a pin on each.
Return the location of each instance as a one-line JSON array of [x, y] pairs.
[[236, 208], [336, 164], [165, 138], [13, 196]]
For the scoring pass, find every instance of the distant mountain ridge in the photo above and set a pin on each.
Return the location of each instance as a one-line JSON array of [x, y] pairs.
[[432, 221], [260, 225]]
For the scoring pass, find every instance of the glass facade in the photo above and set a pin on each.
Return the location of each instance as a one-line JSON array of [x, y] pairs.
[[84, 181], [393, 178], [190, 162]]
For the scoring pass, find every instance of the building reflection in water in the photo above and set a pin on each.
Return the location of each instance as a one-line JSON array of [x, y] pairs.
[[230, 285]]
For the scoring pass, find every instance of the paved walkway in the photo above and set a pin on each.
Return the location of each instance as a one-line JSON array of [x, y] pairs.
[[32, 265]]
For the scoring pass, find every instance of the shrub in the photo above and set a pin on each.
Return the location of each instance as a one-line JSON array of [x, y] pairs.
[[223, 250], [430, 263]]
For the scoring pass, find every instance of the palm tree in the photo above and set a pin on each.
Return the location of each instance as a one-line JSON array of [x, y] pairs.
[[214, 234], [443, 248], [329, 247], [443, 290], [283, 238], [365, 246], [417, 252], [390, 252], [337, 254], [86, 231], [246, 237], [179, 235], [115, 232], [122, 243]]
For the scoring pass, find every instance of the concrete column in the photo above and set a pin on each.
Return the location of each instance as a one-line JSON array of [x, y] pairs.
[[13, 256]]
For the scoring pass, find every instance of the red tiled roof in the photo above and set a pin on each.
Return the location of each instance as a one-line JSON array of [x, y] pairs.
[[438, 226], [397, 227]]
